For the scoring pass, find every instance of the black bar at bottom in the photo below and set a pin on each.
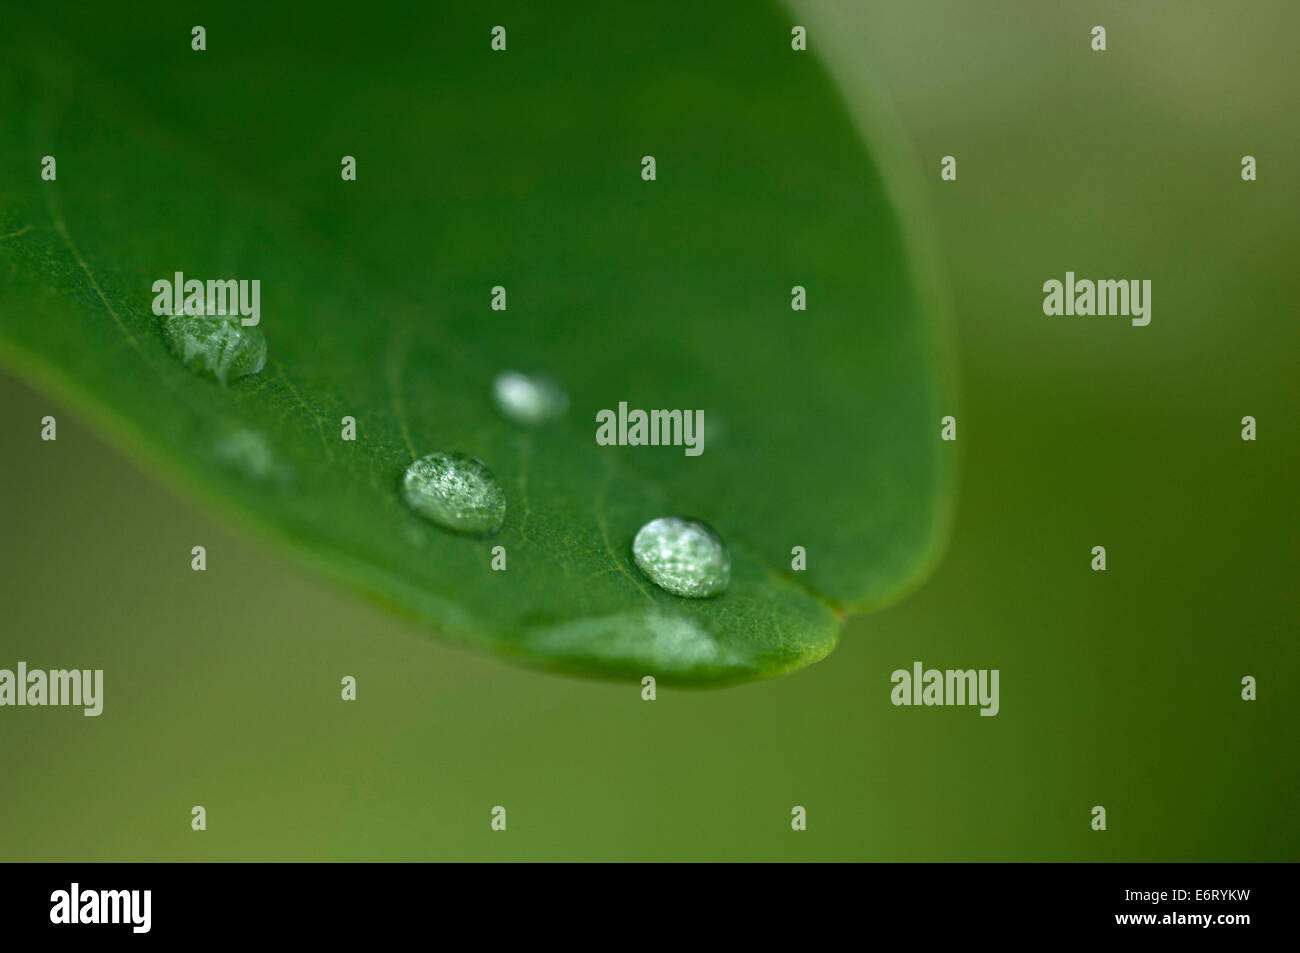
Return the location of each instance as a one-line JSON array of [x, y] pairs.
[[1177, 902]]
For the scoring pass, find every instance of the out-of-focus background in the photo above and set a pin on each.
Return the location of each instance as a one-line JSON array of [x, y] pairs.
[[1119, 689]]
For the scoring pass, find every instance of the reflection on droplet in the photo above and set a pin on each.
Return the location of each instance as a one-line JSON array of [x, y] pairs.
[[683, 556], [217, 347], [456, 492], [529, 398]]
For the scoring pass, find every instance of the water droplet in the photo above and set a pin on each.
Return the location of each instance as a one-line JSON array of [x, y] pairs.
[[249, 453], [639, 642], [683, 556], [455, 491], [529, 398], [217, 347]]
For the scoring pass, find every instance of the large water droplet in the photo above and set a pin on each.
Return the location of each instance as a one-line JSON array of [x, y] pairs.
[[217, 347], [684, 556], [648, 640], [455, 491], [529, 398]]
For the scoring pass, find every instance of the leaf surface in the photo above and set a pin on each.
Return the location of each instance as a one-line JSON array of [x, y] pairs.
[[478, 169]]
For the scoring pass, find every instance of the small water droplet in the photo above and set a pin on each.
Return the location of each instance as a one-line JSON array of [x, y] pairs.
[[217, 347], [529, 398], [683, 556], [455, 491], [249, 453]]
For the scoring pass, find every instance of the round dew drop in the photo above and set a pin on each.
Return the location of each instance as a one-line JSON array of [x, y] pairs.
[[529, 399], [455, 491], [218, 348], [684, 557]]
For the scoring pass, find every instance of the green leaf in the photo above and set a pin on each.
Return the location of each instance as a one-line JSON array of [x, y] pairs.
[[476, 169]]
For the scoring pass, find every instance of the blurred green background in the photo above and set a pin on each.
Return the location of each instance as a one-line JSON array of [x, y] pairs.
[[1119, 688]]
